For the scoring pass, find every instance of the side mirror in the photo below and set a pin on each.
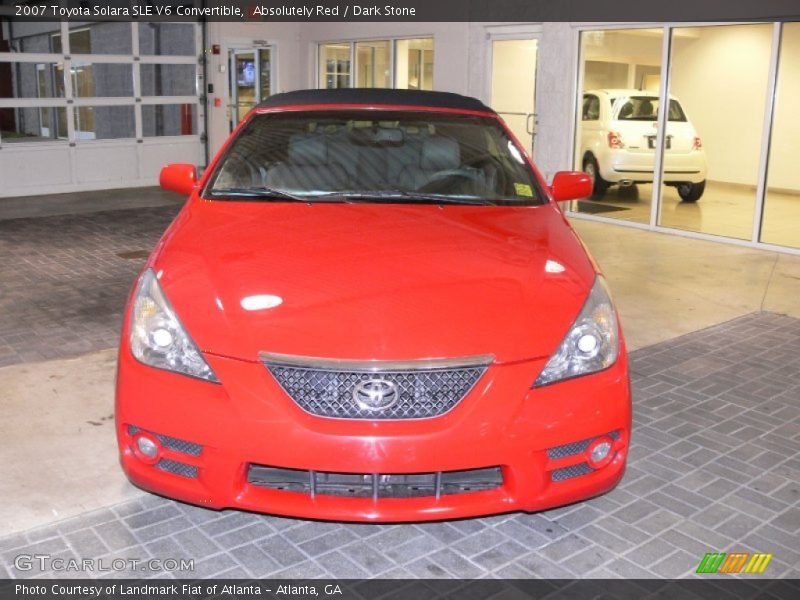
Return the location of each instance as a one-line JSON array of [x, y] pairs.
[[571, 185], [179, 177]]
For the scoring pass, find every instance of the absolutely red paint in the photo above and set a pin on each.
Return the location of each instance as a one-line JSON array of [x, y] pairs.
[[180, 178], [443, 281], [571, 185]]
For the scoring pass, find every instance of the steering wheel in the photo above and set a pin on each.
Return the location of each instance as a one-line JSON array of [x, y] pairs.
[[438, 183]]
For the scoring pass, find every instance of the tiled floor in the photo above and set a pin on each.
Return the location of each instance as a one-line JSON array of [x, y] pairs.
[[65, 278], [714, 466]]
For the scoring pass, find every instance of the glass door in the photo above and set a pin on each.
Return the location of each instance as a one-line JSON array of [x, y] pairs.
[[251, 80], [514, 86]]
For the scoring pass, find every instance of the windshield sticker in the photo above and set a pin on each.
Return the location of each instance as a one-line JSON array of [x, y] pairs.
[[523, 189]]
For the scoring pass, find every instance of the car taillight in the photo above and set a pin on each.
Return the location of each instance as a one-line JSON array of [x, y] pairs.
[[615, 140], [698, 144]]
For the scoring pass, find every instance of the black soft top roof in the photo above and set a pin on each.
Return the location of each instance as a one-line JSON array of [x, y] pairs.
[[375, 97]]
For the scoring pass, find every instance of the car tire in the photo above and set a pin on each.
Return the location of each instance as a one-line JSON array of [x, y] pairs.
[[691, 192], [599, 185]]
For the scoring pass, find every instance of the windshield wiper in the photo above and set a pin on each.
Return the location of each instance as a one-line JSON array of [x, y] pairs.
[[264, 192], [261, 192], [355, 196], [349, 197]]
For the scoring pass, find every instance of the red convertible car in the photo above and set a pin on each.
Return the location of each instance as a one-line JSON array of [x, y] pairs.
[[372, 308]]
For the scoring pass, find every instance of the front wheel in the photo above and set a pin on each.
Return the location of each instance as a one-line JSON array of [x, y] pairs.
[[599, 185], [691, 192]]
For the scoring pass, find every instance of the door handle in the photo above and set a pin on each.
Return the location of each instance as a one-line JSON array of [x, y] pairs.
[[530, 123]]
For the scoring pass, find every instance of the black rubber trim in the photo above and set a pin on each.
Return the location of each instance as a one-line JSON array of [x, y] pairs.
[[372, 97]]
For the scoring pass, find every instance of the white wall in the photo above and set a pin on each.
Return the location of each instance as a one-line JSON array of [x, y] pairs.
[[720, 78], [556, 97], [55, 167], [296, 55], [290, 66], [783, 168], [513, 83], [450, 43]]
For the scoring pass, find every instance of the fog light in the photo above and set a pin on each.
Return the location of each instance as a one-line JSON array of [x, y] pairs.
[[147, 446], [600, 452]]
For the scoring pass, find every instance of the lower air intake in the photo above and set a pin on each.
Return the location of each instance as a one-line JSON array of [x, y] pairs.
[[571, 472], [365, 485], [177, 468]]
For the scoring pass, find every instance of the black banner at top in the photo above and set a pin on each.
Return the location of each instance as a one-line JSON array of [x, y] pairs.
[[405, 10]]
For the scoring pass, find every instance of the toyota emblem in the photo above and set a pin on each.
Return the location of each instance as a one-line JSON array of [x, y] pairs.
[[375, 394]]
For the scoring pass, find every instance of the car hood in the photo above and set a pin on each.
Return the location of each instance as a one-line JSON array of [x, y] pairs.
[[367, 281]]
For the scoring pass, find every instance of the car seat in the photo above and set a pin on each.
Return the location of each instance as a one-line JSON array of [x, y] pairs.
[[307, 167]]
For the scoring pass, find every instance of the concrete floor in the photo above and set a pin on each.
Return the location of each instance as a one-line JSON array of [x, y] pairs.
[[665, 286], [725, 210]]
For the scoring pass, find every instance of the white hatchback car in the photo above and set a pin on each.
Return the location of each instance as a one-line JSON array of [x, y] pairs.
[[618, 138]]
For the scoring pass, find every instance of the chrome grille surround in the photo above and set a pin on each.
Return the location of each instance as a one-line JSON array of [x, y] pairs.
[[424, 388]]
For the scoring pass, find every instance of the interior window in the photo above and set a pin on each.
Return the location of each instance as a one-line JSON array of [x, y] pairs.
[[645, 108], [591, 108]]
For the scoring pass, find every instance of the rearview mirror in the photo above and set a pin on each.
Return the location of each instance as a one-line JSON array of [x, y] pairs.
[[571, 185], [179, 177]]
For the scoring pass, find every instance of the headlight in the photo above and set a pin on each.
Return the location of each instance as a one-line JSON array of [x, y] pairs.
[[157, 337], [591, 344]]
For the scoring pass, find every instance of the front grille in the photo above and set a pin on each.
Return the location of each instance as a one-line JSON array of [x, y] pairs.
[[365, 485], [413, 390], [571, 472], [171, 443], [575, 447], [176, 468]]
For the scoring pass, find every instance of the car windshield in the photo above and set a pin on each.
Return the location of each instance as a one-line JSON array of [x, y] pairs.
[[374, 156], [645, 108]]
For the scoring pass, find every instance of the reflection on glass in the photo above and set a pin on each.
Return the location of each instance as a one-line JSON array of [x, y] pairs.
[[616, 120], [413, 64], [98, 38], [265, 62], [103, 122], [251, 80], [711, 160], [168, 80], [80, 41], [32, 124], [32, 80], [245, 73], [169, 119], [334, 66], [167, 39], [39, 43], [101, 79], [781, 221], [372, 64]]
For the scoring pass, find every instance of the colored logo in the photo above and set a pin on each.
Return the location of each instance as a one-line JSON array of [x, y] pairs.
[[734, 562]]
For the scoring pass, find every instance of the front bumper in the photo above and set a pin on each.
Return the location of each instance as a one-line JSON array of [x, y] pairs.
[[249, 420], [623, 165]]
